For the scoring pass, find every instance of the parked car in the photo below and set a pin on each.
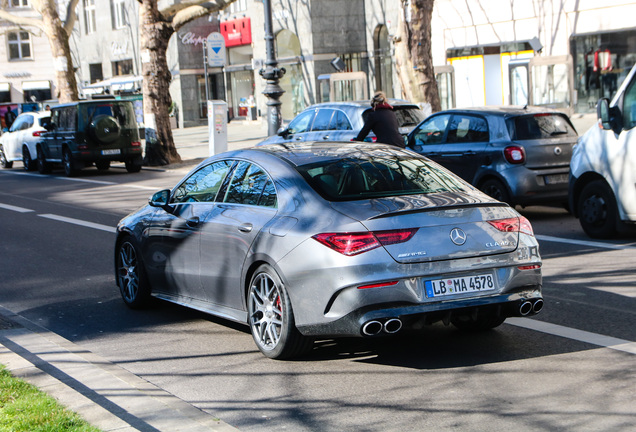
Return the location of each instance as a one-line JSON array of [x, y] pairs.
[[603, 167], [91, 132], [514, 154], [307, 240], [341, 121], [18, 142]]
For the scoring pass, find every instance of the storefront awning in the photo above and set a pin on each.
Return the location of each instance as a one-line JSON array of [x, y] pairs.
[[5, 87], [36, 85]]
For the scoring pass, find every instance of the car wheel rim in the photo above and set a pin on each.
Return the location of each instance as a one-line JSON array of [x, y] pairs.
[[127, 272], [594, 210], [266, 308]]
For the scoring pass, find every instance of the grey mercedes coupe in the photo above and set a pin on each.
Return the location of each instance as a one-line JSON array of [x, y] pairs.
[[321, 240]]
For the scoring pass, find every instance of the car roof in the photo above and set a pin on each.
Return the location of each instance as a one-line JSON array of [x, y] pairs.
[[303, 153], [91, 102], [362, 104], [505, 110], [38, 114]]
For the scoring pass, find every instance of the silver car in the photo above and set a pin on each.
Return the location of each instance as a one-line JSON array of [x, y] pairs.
[[309, 240], [342, 121]]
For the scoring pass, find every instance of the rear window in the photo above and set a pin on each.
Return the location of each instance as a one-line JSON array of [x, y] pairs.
[[406, 116], [123, 112], [540, 126], [376, 176]]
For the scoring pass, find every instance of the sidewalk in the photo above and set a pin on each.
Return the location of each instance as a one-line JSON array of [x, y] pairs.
[[106, 395]]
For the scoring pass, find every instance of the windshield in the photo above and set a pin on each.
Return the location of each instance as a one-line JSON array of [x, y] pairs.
[[356, 177]]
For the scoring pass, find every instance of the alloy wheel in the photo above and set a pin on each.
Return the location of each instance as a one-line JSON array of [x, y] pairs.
[[266, 310], [128, 272]]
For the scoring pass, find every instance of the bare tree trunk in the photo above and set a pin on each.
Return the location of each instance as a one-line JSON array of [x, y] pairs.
[[155, 34], [414, 56]]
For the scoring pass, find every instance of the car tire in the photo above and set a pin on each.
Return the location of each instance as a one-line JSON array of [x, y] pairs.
[[105, 129], [3, 159], [69, 163], [597, 210], [27, 162], [482, 320], [102, 165], [271, 318], [131, 275], [43, 166], [496, 189], [133, 165]]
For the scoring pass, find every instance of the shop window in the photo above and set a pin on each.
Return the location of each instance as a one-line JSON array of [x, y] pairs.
[[383, 65], [37, 95], [19, 45], [293, 100], [89, 16], [238, 6], [123, 67], [601, 63]]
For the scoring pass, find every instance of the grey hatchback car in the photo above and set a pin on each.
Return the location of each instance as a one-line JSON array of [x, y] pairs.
[[341, 121], [308, 240], [519, 155]]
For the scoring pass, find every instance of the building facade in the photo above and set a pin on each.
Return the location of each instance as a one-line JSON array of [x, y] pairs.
[[486, 52]]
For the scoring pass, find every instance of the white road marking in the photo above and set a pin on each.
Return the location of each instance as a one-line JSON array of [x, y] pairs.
[[14, 208], [574, 334], [80, 222], [584, 242], [84, 180]]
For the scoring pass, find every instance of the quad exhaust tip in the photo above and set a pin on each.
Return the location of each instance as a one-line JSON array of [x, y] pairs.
[[392, 326], [525, 308], [372, 328], [537, 306]]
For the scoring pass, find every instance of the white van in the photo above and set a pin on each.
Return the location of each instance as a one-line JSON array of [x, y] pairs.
[[602, 190]]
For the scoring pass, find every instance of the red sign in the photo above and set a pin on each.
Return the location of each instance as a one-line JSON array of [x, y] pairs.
[[237, 32]]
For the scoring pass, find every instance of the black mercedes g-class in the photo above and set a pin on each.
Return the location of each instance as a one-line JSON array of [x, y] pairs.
[[98, 131]]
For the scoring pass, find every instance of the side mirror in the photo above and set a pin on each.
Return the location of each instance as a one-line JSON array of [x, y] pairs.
[[610, 117], [283, 132], [161, 199]]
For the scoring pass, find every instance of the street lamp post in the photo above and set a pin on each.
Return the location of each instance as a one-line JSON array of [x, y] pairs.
[[272, 74]]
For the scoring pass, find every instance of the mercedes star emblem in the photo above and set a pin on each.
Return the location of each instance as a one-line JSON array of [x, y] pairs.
[[458, 236]]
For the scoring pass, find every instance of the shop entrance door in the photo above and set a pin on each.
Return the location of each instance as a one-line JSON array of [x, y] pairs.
[[551, 82], [519, 82]]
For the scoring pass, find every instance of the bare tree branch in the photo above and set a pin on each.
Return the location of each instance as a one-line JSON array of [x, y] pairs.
[[71, 16]]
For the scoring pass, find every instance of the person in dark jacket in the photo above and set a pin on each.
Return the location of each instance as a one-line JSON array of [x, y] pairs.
[[382, 121]]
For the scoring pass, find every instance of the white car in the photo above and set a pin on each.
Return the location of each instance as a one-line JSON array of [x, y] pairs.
[[603, 166], [18, 143]]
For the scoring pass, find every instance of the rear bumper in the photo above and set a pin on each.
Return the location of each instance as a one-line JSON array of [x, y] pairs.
[[528, 186], [415, 316], [100, 154]]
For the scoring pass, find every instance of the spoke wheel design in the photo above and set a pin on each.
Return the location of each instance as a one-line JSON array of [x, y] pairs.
[[496, 189], [69, 167], [130, 276], [271, 318], [267, 313], [3, 159], [43, 165]]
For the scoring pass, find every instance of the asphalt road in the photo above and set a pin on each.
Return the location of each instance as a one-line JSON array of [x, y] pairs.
[[570, 368]]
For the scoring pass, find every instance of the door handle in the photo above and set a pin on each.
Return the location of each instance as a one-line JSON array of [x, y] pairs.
[[246, 228], [193, 221], [469, 153], [326, 137], [298, 138]]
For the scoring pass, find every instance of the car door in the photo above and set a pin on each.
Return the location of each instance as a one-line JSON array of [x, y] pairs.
[[247, 202], [427, 137], [464, 149], [299, 127], [53, 141], [321, 129], [173, 240], [11, 139]]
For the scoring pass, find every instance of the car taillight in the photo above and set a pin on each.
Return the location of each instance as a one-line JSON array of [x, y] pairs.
[[350, 244], [520, 224], [37, 133], [515, 154], [136, 143]]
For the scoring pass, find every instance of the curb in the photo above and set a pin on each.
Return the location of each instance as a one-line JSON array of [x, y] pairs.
[[103, 393]]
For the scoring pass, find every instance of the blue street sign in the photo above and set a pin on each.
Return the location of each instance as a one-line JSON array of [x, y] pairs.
[[216, 50]]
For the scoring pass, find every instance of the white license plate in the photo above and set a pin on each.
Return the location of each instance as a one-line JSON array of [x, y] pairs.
[[556, 178], [459, 285], [111, 152]]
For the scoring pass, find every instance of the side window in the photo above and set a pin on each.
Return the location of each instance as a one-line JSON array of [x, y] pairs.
[[432, 131], [27, 122], [464, 129], [250, 185], [339, 121], [302, 123], [323, 119], [17, 125], [203, 185], [629, 106]]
